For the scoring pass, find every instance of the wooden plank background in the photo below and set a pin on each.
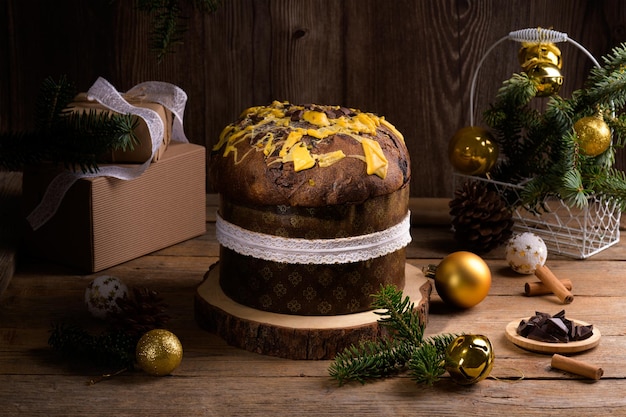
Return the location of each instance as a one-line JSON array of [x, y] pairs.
[[409, 60]]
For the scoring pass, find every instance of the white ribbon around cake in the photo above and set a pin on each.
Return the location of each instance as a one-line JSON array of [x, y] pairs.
[[313, 251], [168, 95]]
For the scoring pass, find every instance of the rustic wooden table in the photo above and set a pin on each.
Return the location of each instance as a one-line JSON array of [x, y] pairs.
[[215, 379]]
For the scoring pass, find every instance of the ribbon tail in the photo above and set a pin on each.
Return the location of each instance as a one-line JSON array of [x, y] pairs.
[[52, 199]]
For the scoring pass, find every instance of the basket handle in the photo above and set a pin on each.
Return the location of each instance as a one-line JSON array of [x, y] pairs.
[[530, 35]]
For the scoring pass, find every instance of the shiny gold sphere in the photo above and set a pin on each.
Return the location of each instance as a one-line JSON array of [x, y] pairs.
[[473, 151], [594, 135], [462, 279], [547, 77], [534, 53], [469, 359], [159, 352]]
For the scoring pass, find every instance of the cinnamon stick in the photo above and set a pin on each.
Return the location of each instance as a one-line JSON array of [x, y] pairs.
[[551, 281], [577, 367], [539, 288]]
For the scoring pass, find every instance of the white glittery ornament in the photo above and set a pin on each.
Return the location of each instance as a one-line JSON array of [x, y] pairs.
[[525, 251], [102, 294]]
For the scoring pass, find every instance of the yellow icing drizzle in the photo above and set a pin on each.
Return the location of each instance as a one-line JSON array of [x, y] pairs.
[[294, 137], [374, 158], [327, 159], [316, 125], [302, 158], [316, 118]]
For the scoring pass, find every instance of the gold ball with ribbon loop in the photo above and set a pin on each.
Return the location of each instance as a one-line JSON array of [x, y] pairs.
[[547, 78], [531, 54], [542, 63]]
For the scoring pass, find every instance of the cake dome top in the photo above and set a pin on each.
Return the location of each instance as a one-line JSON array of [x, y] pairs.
[[308, 155]]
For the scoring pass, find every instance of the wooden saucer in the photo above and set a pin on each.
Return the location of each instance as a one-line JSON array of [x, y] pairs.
[[549, 348], [293, 336]]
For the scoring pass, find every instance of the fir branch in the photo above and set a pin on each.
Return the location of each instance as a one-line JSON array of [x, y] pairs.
[[426, 364], [399, 314], [54, 96], [75, 140], [370, 360], [169, 23], [389, 355], [572, 190], [606, 85], [112, 350], [618, 126]]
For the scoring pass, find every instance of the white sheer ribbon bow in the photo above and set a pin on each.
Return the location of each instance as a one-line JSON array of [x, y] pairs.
[[170, 96]]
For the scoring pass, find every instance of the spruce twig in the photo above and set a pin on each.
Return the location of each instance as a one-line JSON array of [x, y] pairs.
[[72, 139], [404, 348], [111, 350], [169, 22], [369, 360]]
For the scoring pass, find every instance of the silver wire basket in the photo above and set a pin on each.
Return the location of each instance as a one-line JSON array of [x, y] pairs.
[[566, 230], [571, 231]]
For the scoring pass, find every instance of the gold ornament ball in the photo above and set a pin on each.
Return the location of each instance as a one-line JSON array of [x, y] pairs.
[[547, 77], [533, 53], [473, 151], [159, 352], [462, 279], [469, 359], [594, 135]]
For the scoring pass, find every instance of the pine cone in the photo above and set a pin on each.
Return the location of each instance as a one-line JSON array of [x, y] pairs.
[[141, 311], [481, 218]]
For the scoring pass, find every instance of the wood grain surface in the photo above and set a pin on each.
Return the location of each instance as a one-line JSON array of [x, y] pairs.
[[216, 379], [409, 60]]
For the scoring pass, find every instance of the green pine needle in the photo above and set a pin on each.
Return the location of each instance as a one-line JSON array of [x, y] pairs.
[[369, 360], [398, 314], [111, 350], [78, 141], [404, 348], [168, 22]]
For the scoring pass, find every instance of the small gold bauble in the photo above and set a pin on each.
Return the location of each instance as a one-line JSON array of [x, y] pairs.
[[473, 151], [469, 359], [159, 352], [547, 77], [462, 279], [533, 53], [594, 135]]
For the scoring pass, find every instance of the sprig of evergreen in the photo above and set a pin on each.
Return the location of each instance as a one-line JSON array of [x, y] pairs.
[[75, 140], [370, 360], [169, 24], [404, 348], [540, 149], [426, 362], [110, 350]]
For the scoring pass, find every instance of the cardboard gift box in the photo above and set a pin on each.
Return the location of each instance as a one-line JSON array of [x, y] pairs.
[[142, 150], [105, 221]]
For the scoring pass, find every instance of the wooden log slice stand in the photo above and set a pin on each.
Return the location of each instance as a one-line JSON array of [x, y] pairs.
[[293, 336]]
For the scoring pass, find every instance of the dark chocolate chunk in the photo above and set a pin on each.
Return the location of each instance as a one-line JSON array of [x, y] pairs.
[[553, 329]]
